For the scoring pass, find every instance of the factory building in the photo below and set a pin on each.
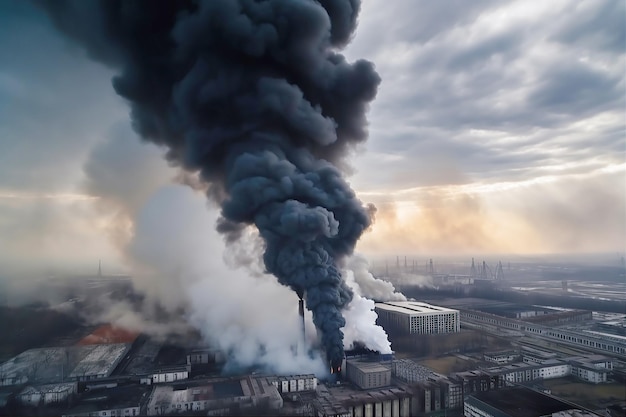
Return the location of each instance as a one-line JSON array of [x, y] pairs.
[[123, 401], [295, 383], [488, 321], [501, 357], [99, 362], [343, 401], [58, 364], [594, 369], [516, 402], [204, 356], [46, 394], [434, 395], [412, 317], [367, 374], [218, 397], [170, 374], [410, 371]]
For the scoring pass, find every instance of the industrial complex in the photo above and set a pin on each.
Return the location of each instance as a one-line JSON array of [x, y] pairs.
[[454, 356]]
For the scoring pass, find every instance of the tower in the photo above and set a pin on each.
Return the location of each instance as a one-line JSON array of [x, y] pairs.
[[499, 272], [301, 313]]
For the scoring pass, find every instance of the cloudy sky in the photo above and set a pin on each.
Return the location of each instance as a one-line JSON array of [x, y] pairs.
[[499, 127]]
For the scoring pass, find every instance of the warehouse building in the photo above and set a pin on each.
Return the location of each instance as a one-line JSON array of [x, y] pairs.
[[410, 371], [60, 364], [46, 394], [515, 402], [99, 362], [217, 397], [125, 401], [368, 374], [412, 317], [480, 320]]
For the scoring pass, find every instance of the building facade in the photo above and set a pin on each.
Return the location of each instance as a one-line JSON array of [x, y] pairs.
[[367, 375], [412, 317]]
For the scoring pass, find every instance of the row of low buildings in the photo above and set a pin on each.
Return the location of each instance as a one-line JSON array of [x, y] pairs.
[[590, 340], [216, 396]]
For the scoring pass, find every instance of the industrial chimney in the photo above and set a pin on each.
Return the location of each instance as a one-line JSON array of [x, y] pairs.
[[301, 313]]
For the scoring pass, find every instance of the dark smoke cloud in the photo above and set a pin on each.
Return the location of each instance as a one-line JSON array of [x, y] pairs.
[[255, 97]]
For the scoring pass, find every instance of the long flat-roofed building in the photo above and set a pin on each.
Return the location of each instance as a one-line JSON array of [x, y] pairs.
[[413, 317]]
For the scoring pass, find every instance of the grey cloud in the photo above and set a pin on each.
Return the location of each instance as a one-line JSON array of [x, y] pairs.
[[594, 25], [44, 85], [532, 85], [576, 90]]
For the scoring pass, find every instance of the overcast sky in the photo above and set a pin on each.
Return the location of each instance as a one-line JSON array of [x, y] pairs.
[[499, 127]]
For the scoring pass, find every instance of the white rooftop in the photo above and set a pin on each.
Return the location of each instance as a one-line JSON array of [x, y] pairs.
[[101, 360], [413, 308]]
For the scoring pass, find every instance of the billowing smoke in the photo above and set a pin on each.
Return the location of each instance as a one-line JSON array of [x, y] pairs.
[[255, 97], [364, 283]]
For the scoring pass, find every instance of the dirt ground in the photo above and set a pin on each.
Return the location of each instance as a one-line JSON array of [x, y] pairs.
[[588, 395], [448, 364]]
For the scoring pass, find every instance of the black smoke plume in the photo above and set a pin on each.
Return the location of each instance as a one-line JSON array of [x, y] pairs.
[[254, 96]]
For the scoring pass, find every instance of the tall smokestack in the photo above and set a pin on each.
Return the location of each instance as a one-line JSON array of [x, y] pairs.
[[256, 98], [301, 313]]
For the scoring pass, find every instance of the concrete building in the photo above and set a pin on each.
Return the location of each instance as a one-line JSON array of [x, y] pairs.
[[170, 374], [204, 356], [36, 366], [478, 381], [60, 364], [412, 317], [536, 356], [410, 371], [99, 362], [491, 322], [501, 357], [217, 397], [294, 383], [588, 372], [125, 401], [513, 402], [46, 394], [326, 404], [593, 368], [368, 374], [434, 395], [342, 400]]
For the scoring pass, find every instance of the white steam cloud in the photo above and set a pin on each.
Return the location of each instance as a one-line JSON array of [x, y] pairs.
[[252, 318], [360, 315]]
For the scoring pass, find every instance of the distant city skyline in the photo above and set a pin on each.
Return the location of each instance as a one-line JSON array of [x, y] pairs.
[[498, 128]]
